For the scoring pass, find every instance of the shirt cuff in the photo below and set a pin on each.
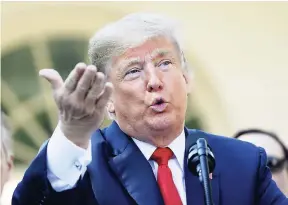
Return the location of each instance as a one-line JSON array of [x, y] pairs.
[[65, 160]]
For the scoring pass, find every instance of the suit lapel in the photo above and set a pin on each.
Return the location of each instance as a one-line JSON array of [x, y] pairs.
[[104, 183], [135, 173], [194, 189], [132, 168]]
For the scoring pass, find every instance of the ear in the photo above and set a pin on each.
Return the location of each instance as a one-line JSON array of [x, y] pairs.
[[110, 107], [187, 79], [187, 73]]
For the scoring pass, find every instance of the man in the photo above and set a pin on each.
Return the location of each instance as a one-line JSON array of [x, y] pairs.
[[6, 163], [277, 153], [140, 76]]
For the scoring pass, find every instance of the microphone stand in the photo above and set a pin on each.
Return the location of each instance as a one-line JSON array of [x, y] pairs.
[[203, 170]]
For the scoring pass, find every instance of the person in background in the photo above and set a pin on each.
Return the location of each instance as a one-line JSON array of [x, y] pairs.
[[277, 153], [6, 163]]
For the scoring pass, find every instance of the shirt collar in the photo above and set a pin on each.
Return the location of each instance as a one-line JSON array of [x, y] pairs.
[[177, 146]]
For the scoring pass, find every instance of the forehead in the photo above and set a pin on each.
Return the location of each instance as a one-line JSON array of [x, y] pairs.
[[271, 146], [155, 47]]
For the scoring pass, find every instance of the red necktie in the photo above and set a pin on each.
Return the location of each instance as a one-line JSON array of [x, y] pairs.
[[164, 177]]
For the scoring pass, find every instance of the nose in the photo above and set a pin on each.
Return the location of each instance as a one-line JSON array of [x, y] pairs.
[[154, 83]]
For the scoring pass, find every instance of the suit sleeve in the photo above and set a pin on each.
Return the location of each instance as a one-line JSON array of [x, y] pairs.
[[267, 191], [35, 187]]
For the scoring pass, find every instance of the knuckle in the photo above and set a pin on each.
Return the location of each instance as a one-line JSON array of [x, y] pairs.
[[58, 95], [82, 87], [74, 99], [70, 81], [66, 103], [94, 93], [90, 108], [76, 103]]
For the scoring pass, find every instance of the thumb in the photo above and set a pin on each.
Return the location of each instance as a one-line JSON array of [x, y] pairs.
[[53, 77]]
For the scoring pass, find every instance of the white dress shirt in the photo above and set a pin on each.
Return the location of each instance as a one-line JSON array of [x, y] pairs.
[[176, 164], [66, 162]]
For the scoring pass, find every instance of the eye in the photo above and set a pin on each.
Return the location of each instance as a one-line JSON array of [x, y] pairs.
[[132, 71], [132, 74], [165, 63]]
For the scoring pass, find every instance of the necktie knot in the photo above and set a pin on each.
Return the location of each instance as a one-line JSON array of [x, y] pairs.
[[162, 155], [164, 176]]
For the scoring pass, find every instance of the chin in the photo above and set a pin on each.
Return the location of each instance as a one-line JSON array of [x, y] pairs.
[[159, 123]]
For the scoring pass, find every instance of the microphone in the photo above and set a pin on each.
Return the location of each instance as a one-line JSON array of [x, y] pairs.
[[201, 162]]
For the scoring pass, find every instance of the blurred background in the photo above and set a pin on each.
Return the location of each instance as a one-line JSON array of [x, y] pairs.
[[238, 52]]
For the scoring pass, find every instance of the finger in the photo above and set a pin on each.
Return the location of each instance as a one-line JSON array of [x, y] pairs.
[[96, 89], [105, 96], [74, 76], [53, 77], [85, 82]]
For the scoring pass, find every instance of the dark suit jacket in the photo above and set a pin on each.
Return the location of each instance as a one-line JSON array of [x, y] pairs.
[[120, 175]]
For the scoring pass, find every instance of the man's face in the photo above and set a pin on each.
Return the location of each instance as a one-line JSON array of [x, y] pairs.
[[150, 89], [273, 149]]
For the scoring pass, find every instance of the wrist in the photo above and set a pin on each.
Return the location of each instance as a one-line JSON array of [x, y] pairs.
[[80, 143], [76, 136]]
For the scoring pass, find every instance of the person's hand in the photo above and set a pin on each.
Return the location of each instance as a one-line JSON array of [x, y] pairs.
[[81, 101]]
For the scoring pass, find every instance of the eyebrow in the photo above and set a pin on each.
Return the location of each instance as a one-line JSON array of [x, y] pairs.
[[159, 53], [129, 62]]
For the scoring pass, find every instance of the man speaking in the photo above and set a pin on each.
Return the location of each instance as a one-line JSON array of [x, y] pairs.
[[138, 76]]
